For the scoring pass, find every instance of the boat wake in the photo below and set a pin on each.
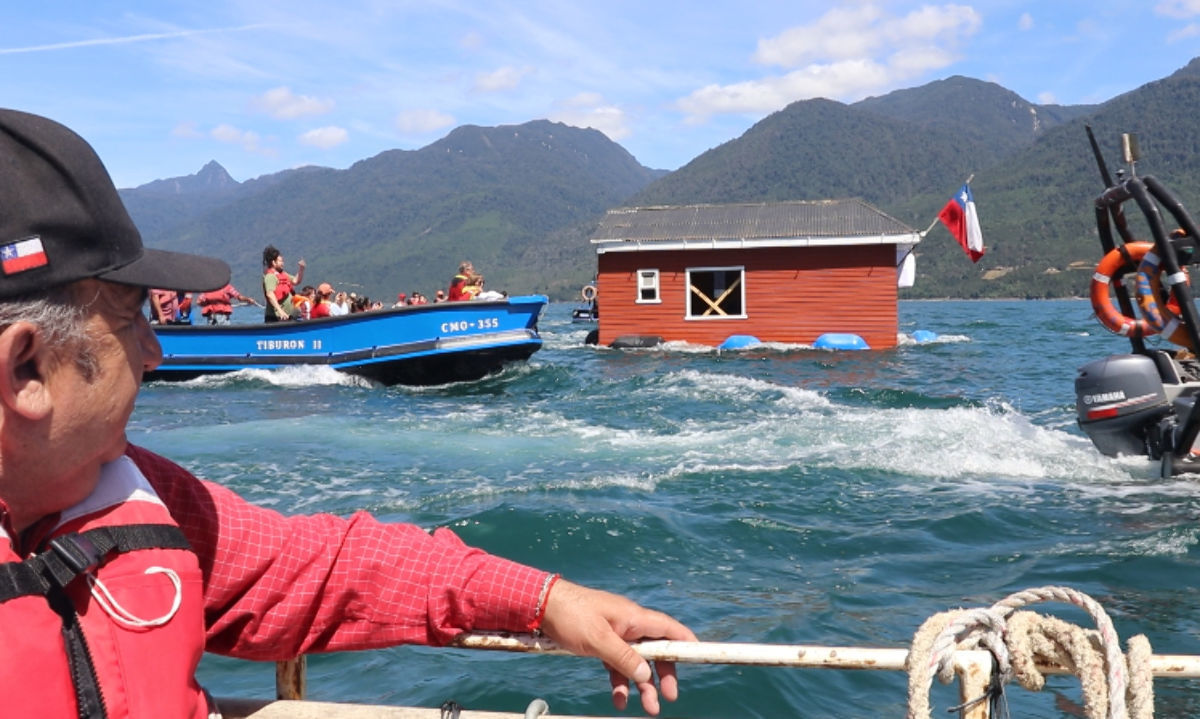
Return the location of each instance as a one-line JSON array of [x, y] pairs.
[[301, 376]]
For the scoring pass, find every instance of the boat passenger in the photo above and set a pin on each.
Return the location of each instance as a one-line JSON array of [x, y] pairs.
[[164, 306], [458, 285], [439, 296], [340, 305], [183, 314], [278, 286], [482, 294], [303, 302], [84, 514], [324, 302], [217, 306]]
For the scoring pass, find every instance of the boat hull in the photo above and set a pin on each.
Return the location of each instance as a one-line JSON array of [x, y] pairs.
[[417, 345], [585, 314]]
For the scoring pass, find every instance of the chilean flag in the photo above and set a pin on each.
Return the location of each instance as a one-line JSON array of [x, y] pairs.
[[22, 255], [960, 218]]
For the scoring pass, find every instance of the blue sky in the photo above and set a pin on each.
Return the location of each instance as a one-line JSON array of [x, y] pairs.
[[161, 87]]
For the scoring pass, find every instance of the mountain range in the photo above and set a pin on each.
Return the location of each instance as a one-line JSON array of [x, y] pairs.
[[521, 201]]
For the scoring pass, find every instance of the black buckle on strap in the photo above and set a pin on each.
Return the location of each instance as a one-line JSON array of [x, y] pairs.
[[75, 554]]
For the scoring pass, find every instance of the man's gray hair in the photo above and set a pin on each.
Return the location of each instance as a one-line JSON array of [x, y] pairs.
[[61, 316]]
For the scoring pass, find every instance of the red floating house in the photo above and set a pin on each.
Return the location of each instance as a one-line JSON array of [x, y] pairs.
[[785, 272]]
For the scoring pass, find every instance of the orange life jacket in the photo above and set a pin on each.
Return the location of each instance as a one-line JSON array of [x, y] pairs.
[[107, 618], [284, 287], [217, 302]]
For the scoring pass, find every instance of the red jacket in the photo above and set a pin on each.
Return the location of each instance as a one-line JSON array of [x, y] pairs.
[[259, 586], [219, 301], [458, 289]]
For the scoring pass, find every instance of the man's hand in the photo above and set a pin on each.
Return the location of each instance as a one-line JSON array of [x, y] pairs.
[[598, 624]]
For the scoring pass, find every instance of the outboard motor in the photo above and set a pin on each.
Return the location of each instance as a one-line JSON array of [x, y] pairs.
[[1120, 403]]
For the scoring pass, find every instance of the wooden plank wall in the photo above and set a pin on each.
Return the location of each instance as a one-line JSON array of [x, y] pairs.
[[793, 295]]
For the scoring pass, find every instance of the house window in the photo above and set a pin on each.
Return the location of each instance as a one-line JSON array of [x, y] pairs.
[[648, 286], [716, 293]]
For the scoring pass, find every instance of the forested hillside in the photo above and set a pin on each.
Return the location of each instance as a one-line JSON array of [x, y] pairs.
[[511, 199], [521, 201]]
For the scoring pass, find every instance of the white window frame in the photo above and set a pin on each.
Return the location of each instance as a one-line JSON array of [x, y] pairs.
[[655, 284], [687, 290]]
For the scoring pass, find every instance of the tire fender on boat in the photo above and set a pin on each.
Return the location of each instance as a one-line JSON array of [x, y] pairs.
[[1102, 304], [588, 293]]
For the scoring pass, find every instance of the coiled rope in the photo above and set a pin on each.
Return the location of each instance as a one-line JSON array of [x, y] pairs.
[[1114, 686]]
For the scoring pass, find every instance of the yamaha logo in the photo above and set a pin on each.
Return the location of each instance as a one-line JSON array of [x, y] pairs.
[[1104, 397]]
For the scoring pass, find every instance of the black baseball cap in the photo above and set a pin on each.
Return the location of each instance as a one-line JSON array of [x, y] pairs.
[[61, 219]]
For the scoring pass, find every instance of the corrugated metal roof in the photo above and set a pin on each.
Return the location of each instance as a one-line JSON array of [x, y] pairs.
[[761, 220]]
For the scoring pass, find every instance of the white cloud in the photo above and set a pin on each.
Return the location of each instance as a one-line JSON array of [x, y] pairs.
[[124, 40], [1178, 8], [1184, 33], [588, 109], [841, 33], [186, 130], [773, 93], [422, 121], [283, 104], [911, 62], [504, 78], [248, 139], [846, 54], [1047, 98], [1025, 22], [325, 137]]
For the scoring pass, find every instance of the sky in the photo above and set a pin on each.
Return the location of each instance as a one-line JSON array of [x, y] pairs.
[[161, 87]]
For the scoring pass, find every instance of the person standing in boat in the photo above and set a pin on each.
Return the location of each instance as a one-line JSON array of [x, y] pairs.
[[164, 305], [87, 519], [217, 306], [278, 286], [461, 283]]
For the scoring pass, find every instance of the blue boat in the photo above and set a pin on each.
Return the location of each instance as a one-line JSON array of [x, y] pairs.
[[415, 345]]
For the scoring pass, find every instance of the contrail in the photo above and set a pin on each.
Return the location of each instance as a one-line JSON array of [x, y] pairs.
[[121, 40]]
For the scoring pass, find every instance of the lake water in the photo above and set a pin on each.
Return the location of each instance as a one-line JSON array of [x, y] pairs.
[[775, 495]]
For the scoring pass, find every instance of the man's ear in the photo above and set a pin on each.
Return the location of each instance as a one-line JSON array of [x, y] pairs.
[[23, 371]]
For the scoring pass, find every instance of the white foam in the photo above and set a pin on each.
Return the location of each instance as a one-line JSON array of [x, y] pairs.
[[299, 376], [904, 340]]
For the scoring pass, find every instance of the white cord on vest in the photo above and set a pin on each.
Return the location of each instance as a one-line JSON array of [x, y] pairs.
[[123, 616]]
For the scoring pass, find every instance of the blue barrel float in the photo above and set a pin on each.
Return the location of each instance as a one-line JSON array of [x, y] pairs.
[[923, 336], [840, 341], [739, 342]]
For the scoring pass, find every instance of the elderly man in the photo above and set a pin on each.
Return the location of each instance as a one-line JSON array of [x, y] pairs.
[[118, 568]]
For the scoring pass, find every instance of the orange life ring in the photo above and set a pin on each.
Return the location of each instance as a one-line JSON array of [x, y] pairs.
[[1110, 316], [1102, 305], [588, 293]]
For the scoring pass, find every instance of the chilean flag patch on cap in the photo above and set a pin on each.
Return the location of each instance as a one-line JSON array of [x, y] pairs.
[[22, 255]]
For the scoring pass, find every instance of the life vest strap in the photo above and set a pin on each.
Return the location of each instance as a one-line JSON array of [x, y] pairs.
[[71, 555]]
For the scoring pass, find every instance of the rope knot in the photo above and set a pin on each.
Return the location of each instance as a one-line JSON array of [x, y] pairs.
[[1019, 641]]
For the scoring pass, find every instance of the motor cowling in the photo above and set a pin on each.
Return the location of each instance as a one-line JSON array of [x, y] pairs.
[[1117, 400]]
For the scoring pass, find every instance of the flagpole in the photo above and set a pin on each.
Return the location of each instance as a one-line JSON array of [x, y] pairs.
[[927, 229]]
